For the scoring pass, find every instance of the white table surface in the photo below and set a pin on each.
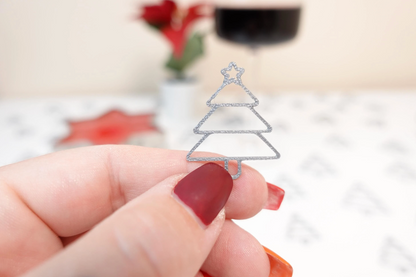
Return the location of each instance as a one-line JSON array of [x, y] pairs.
[[348, 167]]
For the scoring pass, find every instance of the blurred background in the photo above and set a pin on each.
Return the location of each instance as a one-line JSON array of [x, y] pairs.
[[336, 80], [77, 47]]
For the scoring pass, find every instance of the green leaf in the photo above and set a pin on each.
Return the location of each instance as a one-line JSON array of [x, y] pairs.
[[155, 26], [194, 48]]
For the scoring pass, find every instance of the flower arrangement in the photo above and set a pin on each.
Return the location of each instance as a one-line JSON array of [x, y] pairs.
[[174, 24]]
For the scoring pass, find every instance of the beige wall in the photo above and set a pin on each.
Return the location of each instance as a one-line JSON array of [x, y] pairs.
[[52, 47]]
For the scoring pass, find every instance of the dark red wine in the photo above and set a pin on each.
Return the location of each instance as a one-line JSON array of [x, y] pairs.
[[257, 26]]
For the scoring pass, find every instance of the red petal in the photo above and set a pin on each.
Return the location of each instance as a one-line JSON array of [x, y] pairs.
[[194, 12], [159, 14], [177, 38]]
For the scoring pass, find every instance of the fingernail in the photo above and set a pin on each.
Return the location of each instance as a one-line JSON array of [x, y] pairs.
[[205, 190], [278, 266], [205, 274], [275, 198]]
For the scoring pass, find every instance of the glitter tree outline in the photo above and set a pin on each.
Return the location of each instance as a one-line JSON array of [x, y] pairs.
[[214, 107]]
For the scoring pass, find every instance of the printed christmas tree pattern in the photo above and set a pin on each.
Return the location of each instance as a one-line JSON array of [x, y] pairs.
[[301, 231], [397, 257], [214, 106], [363, 200]]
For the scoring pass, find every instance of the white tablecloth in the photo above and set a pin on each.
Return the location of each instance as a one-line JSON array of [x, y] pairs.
[[348, 167]]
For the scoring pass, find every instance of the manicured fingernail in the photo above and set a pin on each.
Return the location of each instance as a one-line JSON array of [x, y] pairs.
[[278, 266], [205, 190], [275, 197], [205, 274]]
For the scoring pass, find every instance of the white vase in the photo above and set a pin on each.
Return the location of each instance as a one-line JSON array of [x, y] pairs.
[[177, 102]]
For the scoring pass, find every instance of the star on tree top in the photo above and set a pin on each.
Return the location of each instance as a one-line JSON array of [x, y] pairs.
[[227, 78]]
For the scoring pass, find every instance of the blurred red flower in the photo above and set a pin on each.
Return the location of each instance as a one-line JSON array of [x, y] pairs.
[[173, 22]]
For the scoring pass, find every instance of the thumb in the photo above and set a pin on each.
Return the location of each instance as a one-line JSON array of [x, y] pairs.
[[167, 231]]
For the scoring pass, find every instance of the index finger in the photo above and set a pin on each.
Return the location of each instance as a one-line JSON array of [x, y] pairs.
[[73, 190]]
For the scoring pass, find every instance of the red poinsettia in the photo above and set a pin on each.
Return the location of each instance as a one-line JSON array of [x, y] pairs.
[[174, 24]]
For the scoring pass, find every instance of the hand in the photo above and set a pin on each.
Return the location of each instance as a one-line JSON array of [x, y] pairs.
[[115, 211]]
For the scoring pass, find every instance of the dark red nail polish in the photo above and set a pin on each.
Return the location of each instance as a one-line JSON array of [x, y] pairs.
[[275, 197], [205, 190]]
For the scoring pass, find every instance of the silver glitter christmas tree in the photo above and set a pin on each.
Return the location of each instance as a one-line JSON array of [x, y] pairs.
[[227, 81]]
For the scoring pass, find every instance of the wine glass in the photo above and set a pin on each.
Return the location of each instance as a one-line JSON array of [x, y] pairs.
[[257, 23]]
